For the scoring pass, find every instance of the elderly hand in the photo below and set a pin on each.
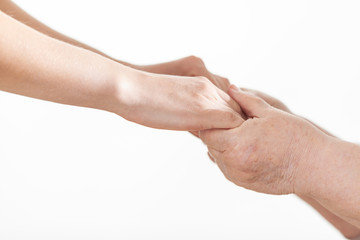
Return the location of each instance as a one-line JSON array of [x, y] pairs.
[[276, 103], [269, 152]]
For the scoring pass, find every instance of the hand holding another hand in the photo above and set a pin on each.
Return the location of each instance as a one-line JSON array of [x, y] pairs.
[[190, 66], [269, 152], [176, 103]]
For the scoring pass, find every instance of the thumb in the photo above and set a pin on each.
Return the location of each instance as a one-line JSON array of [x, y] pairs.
[[252, 105]]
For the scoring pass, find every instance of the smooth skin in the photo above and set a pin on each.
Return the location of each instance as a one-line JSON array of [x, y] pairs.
[[46, 68], [189, 66], [276, 152]]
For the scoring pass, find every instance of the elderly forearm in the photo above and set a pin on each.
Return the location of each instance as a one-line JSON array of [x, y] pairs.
[[347, 229], [335, 178], [38, 66]]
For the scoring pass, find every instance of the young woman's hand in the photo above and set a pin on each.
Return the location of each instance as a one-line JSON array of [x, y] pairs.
[[176, 103], [188, 66]]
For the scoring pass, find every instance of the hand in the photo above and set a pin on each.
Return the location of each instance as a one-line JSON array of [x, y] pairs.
[[347, 229], [176, 103], [269, 99], [189, 66], [269, 152]]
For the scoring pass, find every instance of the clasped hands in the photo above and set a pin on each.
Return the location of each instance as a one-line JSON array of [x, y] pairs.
[[254, 139], [251, 136], [271, 151]]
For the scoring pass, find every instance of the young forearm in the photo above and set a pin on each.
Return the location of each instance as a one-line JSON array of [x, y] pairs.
[[35, 65], [188, 66], [13, 10], [45, 68]]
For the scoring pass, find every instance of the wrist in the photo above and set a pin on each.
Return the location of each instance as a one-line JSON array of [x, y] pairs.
[[130, 91], [330, 170], [122, 84], [312, 167]]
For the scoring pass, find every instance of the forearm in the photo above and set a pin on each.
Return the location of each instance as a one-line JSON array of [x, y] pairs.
[[38, 66], [333, 179], [13, 10], [347, 229], [10, 8]]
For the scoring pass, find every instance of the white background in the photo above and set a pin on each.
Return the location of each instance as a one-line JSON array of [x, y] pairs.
[[74, 173]]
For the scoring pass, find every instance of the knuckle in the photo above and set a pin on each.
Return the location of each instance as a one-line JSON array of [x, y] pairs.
[[195, 66], [202, 84], [195, 60], [226, 81], [231, 116]]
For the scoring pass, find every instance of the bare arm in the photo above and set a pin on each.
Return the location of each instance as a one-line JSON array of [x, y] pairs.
[[347, 229], [35, 65], [38, 66], [188, 66], [13, 10], [336, 176]]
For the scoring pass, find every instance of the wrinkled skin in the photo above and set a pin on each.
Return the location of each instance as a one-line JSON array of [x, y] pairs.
[[269, 151]]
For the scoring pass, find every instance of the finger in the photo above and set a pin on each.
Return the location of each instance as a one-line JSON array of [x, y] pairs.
[[256, 93], [252, 91], [224, 83], [252, 105], [224, 118], [232, 103]]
